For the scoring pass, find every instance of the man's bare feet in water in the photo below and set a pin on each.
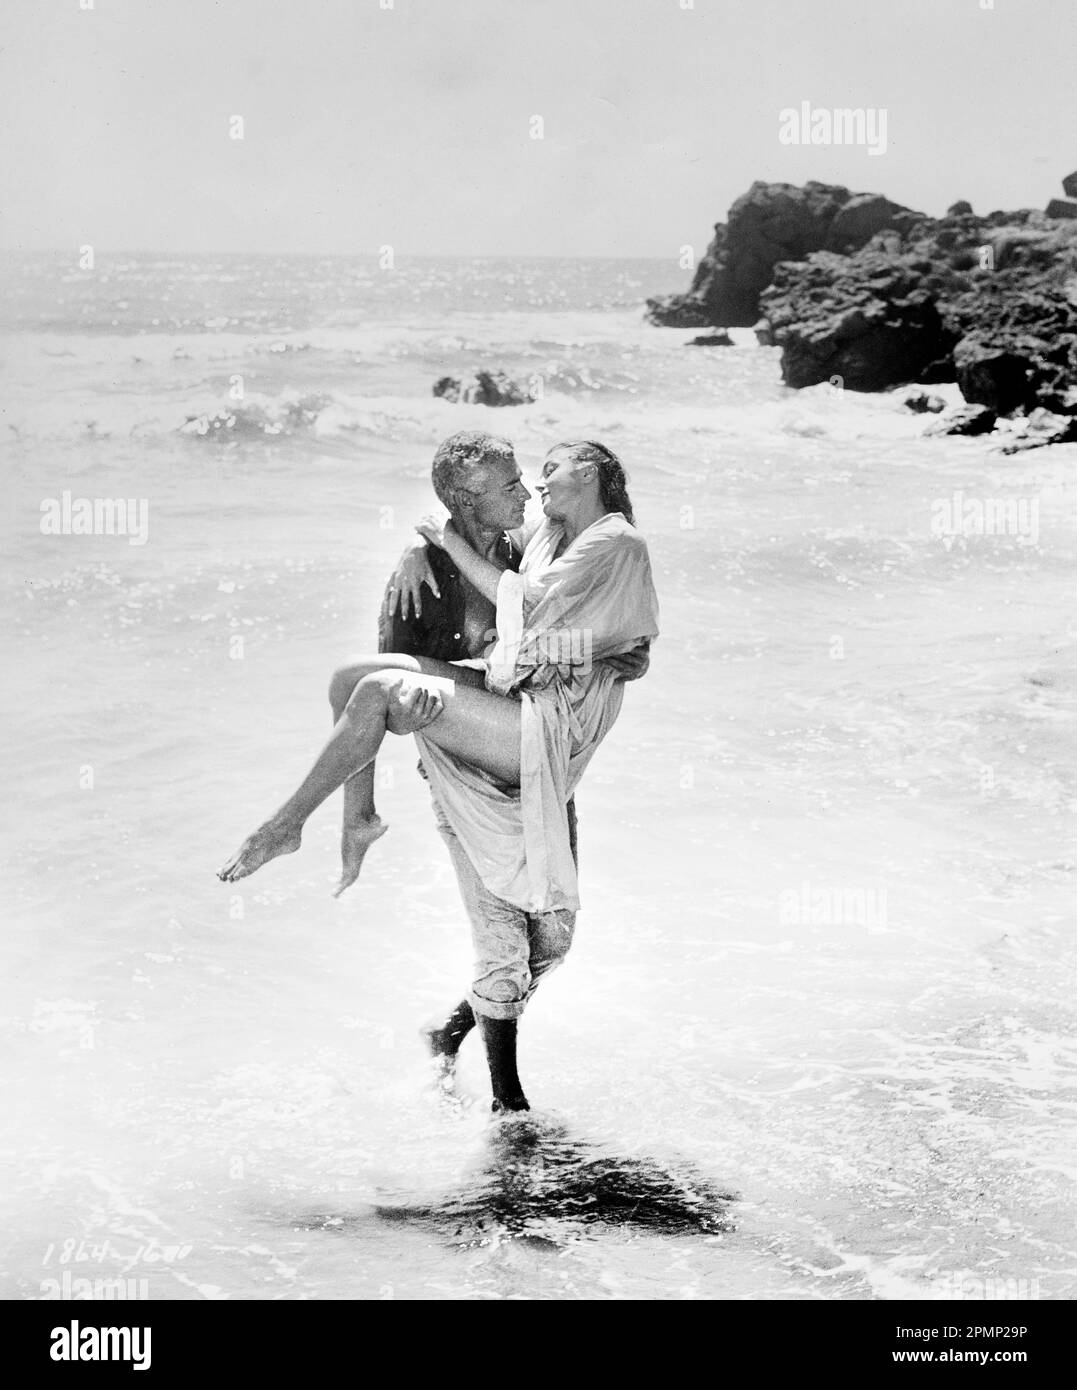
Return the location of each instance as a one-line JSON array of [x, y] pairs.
[[268, 841], [355, 840]]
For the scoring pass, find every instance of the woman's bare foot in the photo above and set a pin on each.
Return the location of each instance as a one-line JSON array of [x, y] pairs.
[[355, 840], [268, 841]]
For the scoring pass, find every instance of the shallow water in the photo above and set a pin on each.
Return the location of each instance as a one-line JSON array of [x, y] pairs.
[[816, 1035]]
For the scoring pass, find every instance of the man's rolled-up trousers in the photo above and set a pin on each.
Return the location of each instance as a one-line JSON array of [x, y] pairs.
[[513, 949]]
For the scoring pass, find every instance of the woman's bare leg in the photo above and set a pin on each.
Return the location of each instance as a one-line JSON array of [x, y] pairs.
[[361, 825], [481, 728]]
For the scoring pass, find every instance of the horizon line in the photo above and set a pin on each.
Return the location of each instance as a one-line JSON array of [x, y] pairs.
[[328, 255]]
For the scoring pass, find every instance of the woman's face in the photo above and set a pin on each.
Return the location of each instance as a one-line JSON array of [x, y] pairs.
[[562, 483]]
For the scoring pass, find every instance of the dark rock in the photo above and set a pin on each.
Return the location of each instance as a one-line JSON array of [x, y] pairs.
[[483, 388], [1009, 245], [1058, 207], [959, 209], [764, 334], [1016, 330], [1043, 428], [967, 419], [721, 339], [990, 376], [858, 220], [679, 311], [1069, 185], [869, 319], [991, 305], [990, 302], [770, 223], [1017, 218], [921, 402]]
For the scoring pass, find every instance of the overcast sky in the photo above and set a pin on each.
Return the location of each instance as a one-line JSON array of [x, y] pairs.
[[411, 125]]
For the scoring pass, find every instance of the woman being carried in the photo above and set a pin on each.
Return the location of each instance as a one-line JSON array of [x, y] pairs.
[[505, 745]]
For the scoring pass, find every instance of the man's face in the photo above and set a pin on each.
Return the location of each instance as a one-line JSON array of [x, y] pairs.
[[499, 506]]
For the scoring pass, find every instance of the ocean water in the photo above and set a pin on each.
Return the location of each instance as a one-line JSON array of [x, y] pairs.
[[815, 1039]]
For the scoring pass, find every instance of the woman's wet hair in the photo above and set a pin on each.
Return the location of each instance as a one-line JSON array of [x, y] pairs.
[[612, 481]]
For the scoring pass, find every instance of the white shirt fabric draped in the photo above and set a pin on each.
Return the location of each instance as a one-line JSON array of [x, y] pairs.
[[556, 621]]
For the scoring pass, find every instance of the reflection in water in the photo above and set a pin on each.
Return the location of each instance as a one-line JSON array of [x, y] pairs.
[[533, 1172]]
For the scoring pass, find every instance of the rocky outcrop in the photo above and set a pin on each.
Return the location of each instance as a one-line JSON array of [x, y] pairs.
[[967, 419], [483, 388], [1043, 428], [681, 310], [1016, 328], [988, 302], [718, 339], [1058, 207], [861, 292], [772, 222], [920, 402], [872, 321]]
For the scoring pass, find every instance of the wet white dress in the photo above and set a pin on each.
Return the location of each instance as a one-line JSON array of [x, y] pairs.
[[556, 621]]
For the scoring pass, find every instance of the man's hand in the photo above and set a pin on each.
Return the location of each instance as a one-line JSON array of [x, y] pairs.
[[413, 707], [406, 582], [631, 665]]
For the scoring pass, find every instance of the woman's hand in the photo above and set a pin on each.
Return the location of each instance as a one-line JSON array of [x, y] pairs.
[[477, 571], [434, 529], [413, 706], [405, 586]]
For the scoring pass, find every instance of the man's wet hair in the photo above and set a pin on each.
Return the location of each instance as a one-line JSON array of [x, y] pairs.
[[462, 462]]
